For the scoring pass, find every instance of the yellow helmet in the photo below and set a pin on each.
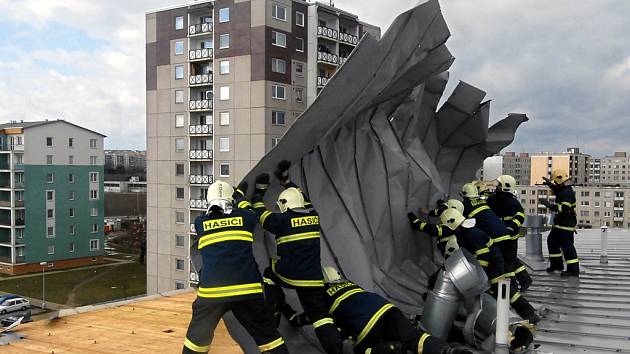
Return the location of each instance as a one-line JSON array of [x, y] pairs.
[[331, 275], [290, 198], [481, 186], [220, 194], [452, 218], [507, 182], [559, 176], [469, 191], [455, 204]]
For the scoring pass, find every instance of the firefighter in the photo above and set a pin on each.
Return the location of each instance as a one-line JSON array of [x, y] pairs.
[[446, 240], [561, 237], [483, 188], [297, 232], [478, 243], [229, 279], [505, 204], [375, 325]]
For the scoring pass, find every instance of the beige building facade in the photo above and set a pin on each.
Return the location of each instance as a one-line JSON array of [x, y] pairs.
[[573, 161]]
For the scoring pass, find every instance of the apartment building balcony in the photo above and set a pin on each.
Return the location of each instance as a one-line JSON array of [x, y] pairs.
[[199, 29], [349, 39], [201, 179], [617, 218], [200, 129], [200, 54], [5, 259], [322, 81], [618, 208], [327, 58], [200, 105], [200, 80], [200, 154], [7, 204], [619, 199], [327, 33], [11, 147], [342, 60], [200, 204]]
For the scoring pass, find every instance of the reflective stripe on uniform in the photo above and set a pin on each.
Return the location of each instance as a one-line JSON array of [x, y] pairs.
[[368, 351], [244, 204], [482, 251], [423, 338], [509, 274], [232, 290], [515, 237], [298, 283], [478, 210], [570, 205], [572, 261], [297, 237], [555, 254], [232, 235], [259, 205], [368, 327], [446, 239], [341, 298], [565, 228], [515, 297], [483, 263], [501, 238], [268, 281], [264, 216], [519, 269], [489, 243], [517, 222], [196, 348], [272, 345], [323, 321], [497, 279]]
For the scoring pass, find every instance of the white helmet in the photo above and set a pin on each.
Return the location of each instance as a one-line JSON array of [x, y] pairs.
[[331, 275], [290, 198], [220, 195], [507, 183], [452, 218], [455, 204], [559, 176], [469, 191], [451, 246], [482, 186]]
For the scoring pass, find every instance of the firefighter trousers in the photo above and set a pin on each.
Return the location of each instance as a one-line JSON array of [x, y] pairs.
[[560, 243], [252, 314], [513, 266]]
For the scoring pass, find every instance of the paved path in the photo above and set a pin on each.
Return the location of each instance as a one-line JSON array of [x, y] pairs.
[[39, 274]]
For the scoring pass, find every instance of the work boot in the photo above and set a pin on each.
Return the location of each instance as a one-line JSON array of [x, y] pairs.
[[524, 280], [553, 269], [524, 309], [456, 349], [569, 273]]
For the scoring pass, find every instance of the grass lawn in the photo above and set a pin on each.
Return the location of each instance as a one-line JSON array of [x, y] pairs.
[[90, 285]]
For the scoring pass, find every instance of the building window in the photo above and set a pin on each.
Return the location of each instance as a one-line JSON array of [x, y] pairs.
[[179, 169], [299, 69], [71, 178], [299, 18], [179, 285], [179, 72], [278, 12], [94, 245], [299, 95], [70, 142], [71, 247], [50, 195], [278, 66], [278, 39], [179, 47], [93, 177], [274, 142], [224, 93], [179, 217], [179, 22], [179, 144], [50, 178], [224, 170], [49, 141], [71, 212], [94, 228], [179, 193], [179, 120], [93, 194], [71, 230], [50, 231], [70, 160], [94, 212], [224, 15], [224, 118], [299, 44], [19, 233], [224, 144], [278, 92], [224, 41], [92, 143], [179, 96], [92, 160], [50, 213], [224, 67], [71, 195], [278, 117], [179, 241], [179, 264], [49, 159], [51, 249]]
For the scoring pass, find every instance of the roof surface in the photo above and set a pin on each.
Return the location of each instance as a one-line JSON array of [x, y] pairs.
[[26, 125]]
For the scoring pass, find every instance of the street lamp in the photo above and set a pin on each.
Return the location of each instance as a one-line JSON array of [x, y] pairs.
[[43, 264]]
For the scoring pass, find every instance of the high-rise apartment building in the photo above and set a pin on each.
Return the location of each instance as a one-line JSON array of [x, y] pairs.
[[51, 196], [225, 79], [509, 163], [573, 161], [611, 170], [127, 160]]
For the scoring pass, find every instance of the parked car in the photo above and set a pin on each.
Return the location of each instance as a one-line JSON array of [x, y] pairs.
[[14, 304], [7, 297]]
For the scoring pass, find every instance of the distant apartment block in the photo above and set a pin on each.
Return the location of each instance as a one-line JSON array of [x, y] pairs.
[[576, 163], [514, 164], [51, 196], [128, 160], [225, 79], [611, 170]]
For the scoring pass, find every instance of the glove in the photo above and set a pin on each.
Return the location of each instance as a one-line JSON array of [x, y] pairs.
[[413, 219], [547, 182], [440, 204], [544, 202], [282, 172], [242, 188], [262, 183]]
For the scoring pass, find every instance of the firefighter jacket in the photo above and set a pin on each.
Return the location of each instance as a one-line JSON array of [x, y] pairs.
[[487, 220], [506, 206], [477, 242], [297, 233], [443, 233], [564, 208], [354, 310], [229, 272]]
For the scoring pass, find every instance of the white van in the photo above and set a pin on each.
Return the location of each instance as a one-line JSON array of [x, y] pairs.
[[15, 304]]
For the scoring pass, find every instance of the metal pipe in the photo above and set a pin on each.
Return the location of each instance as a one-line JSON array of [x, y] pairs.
[[603, 257], [533, 238], [441, 307], [503, 317]]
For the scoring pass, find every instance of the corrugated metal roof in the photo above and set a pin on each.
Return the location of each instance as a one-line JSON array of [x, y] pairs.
[[590, 314]]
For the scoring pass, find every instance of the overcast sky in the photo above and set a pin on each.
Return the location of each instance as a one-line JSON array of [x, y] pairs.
[[565, 63]]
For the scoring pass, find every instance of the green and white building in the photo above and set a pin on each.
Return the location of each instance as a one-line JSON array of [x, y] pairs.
[[51, 196]]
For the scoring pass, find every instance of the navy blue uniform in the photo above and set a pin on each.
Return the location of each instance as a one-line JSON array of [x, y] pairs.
[[443, 233], [370, 319], [561, 238]]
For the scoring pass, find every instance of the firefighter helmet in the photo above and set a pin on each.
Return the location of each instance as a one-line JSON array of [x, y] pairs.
[[331, 275], [482, 186], [469, 191], [220, 195], [290, 198], [451, 246], [455, 204], [507, 183], [452, 218], [559, 176]]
